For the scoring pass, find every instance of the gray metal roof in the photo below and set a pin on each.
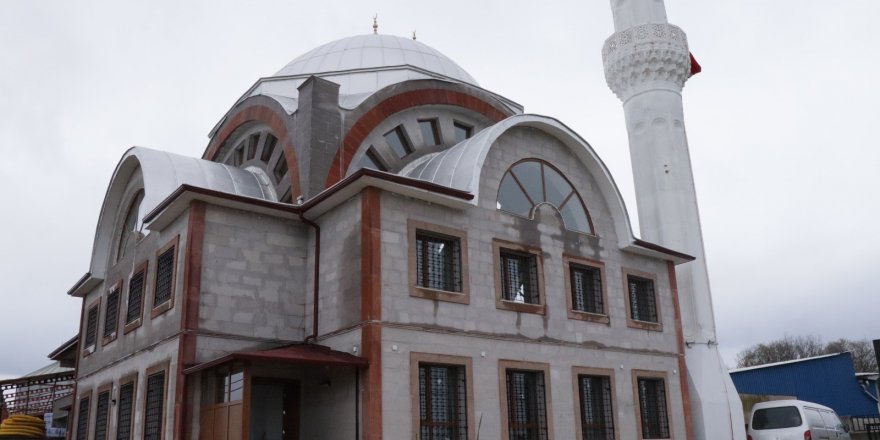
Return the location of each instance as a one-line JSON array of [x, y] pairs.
[[164, 172], [374, 51]]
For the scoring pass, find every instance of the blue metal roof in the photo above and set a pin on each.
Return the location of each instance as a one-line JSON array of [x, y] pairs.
[[829, 380]]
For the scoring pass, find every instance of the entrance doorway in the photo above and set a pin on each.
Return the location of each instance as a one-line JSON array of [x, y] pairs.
[[274, 410]]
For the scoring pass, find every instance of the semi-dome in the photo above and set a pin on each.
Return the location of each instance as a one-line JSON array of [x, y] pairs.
[[373, 51]]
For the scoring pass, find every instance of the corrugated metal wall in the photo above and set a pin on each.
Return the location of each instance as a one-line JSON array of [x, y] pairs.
[[830, 381]]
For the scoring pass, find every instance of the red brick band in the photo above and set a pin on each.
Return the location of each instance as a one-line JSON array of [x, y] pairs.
[[368, 122]]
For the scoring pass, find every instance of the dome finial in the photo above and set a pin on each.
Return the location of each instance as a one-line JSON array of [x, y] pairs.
[[375, 24], [414, 34]]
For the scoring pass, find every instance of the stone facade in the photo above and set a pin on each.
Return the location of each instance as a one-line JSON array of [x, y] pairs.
[[247, 352]]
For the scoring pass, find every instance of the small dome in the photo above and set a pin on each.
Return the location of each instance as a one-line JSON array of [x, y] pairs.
[[371, 52]]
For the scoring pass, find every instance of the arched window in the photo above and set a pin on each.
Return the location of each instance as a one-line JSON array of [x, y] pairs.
[[130, 229], [532, 182]]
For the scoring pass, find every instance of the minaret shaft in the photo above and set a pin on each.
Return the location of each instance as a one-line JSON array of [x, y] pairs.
[[646, 65], [667, 205]]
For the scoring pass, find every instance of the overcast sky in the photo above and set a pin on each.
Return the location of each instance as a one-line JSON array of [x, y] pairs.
[[782, 125]]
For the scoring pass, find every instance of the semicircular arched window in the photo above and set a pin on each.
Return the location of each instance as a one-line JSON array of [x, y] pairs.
[[131, 227], [530, 183]]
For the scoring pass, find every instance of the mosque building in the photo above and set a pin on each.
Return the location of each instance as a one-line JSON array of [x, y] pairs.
[[373, 246]]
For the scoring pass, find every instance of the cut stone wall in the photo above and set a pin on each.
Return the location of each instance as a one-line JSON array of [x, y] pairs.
[[253, 275]]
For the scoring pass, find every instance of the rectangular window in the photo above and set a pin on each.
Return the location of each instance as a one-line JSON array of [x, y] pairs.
[[398, 142], [519, 278], [519, 275], [586, 289], [111, 314], [91, 337], [82, 419], [268, 147], [230, 384], [280, 169], [642, 301], [124, 413], [252, 142], [371, 160], [164, 276], [430, 132], [153, 407], [442, 402], [135, 296], [438, 262], [238, 156], [652, 407], [462, 131], [596, 410], [102, 411], [526, 405]]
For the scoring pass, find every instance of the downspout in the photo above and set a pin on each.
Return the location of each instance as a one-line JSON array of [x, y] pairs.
[[357, 403], [312, 337]]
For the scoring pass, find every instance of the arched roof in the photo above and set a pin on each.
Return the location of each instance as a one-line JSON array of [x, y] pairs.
[[461, 166], [162, 174], [374, 51]]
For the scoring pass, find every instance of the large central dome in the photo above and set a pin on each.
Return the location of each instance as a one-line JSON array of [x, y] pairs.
[[374, 52]]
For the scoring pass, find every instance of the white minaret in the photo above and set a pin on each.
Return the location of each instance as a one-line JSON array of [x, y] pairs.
[[646, 65]]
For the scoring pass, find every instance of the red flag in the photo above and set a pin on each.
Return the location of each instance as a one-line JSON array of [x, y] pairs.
[[695, 66]]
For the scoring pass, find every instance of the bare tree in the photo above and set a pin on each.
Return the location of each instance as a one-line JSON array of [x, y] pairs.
[[785, 349], [799, 347], [862, 352]]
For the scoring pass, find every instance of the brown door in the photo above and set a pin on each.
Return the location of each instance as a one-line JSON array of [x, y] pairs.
[[290, 412]]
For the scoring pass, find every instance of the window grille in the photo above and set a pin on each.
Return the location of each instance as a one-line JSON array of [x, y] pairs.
[[642, 302], [652, 406], [101, 415], [597, 413], [91, 327], [519, 275], [442, 402], [111, 313], [135, 294], [586, 289], [164, 276], [155, 397], [438, 262], [82, 419], [526, 407], [124, 412]]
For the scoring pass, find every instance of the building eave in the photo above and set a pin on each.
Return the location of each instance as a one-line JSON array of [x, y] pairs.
[[84, 285], [179, 200]]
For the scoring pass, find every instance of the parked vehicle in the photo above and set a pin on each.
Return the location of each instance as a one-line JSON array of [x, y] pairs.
[[795, 420]]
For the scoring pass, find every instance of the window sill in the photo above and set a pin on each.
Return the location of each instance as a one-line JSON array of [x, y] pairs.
[[589, 317], [108, 339], [160, 309], [89, 350], [537, 309], [644, 325], [131, 326], [439, 295]]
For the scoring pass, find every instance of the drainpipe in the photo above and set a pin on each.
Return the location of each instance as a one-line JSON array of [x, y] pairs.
[[312, 337]]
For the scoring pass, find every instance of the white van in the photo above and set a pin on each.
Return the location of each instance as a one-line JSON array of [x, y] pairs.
[[795, 420]]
